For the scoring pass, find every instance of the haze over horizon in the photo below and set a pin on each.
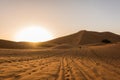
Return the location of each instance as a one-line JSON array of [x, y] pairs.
[[60, 17]]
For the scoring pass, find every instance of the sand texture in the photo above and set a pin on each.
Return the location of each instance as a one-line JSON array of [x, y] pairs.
[[84, 63]]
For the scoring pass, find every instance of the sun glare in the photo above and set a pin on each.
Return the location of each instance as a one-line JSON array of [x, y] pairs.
[[33, 34]]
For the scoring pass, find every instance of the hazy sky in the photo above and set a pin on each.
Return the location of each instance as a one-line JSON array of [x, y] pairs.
[[61, 17]]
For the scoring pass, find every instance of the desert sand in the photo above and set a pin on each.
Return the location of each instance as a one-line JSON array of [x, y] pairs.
[[91, 61]]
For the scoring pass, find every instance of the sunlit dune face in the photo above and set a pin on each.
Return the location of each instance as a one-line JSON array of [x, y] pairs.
[[33, 34]]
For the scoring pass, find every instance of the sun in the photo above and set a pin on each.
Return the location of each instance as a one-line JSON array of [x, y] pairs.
[[33, 34]]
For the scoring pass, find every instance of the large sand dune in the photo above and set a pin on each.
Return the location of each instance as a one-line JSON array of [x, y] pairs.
[[86, 37]]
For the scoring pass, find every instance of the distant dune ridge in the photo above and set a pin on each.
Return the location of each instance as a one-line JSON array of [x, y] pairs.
[[80, 38], [15, 45], [87, 37]]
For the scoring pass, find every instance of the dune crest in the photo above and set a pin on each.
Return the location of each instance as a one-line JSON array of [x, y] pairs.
[[86, 37]]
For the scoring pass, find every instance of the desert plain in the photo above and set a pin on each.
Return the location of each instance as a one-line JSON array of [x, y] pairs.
[[63, 62]]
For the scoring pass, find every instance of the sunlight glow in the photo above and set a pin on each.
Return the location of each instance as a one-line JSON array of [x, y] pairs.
[[33, 34]]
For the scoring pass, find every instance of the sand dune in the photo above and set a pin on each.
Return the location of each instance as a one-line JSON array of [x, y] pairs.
[[86, 37], [16, 45], [80, 38], [81, 56]]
